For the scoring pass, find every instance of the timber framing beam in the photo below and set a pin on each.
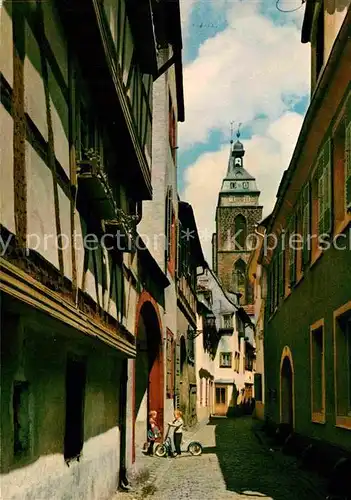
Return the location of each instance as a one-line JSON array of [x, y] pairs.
[[23, 287]]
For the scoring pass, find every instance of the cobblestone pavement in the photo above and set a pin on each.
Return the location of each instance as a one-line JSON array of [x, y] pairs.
[[234, 465]]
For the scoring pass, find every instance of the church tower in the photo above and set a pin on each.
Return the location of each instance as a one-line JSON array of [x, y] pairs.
[[238, 211]]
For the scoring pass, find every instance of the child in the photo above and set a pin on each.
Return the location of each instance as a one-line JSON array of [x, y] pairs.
[[153, 432], [178, 431]]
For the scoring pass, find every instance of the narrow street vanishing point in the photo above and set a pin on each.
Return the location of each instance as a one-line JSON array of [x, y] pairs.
[[235, 464]]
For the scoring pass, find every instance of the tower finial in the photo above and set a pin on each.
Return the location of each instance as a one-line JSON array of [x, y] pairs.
[[231, 131], [238, 132]]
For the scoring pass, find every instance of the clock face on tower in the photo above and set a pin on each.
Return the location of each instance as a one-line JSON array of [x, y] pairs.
[[239, 185]]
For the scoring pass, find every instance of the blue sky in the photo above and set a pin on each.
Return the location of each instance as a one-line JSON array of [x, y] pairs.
[[243, 62]]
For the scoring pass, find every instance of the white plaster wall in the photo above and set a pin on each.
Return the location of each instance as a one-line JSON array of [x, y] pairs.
[[79, 232], [6, 52], [89, 278], [60, 131], [7, 207], [152, 225], [42, 234], [94, 477], [131, 299], [34, 93], [111, 306], [65, 220]]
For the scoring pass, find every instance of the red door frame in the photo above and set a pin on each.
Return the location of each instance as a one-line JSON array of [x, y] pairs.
[[156, 376]]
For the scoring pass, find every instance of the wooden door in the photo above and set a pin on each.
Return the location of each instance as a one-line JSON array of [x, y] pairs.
[[221, 400]]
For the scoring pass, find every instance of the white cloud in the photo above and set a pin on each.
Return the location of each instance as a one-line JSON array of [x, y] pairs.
[[186, 8], [248, 69], [267, 156]]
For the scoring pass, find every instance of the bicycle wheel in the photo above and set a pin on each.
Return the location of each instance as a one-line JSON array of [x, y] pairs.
[[195, 448], [161, 450]]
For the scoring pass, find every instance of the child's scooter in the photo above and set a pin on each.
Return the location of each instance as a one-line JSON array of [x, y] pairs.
[[165, 449]]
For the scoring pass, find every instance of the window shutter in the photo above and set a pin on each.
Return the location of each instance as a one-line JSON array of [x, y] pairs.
[[177, 238], [177, 368], [292, 253], [325, 190], [328, 187], [321, 182], [306, 223], [348, 156], [168, 223], [281, 268]]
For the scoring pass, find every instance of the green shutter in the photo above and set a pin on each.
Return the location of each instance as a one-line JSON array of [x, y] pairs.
[[281, 273], [328, 187], [292, 252], [306, 223], [325, 190], [271, 287], [348, 156]]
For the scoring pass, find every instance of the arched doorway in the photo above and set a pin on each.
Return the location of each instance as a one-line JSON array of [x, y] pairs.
[[148, 385], [287, 413]]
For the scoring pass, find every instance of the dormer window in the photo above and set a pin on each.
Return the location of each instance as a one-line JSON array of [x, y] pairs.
[[227, 321]]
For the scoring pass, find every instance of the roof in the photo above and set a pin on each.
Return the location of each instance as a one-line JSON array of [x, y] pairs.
[[237, 172], [187, 218], [167, 22], [307, 21]]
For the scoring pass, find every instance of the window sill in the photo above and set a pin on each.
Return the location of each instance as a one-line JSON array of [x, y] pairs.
[[343, 422], [318, 418]]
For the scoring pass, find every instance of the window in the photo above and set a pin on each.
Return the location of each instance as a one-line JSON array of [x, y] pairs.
[[342, 346], [258, 386], [339, 175], [348, 156], [168, 223], [221, 395], [281, 270], [75, 398], [306, 224], [225, 360], [172, 245], [239, 277], [191, 344], [317, 372], [292, 250], [324, 190], [227, 321], [170, 365], [240, 232], [274, 282], [21, 422], [237, 362]]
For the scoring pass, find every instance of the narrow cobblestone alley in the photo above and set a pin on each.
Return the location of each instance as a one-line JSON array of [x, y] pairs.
[[234, 465]]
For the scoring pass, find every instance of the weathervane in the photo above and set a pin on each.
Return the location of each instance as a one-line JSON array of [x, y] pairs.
[[231, 132], [238, 132]]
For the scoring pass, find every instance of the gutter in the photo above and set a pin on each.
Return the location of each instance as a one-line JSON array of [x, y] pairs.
[[317, 97]]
